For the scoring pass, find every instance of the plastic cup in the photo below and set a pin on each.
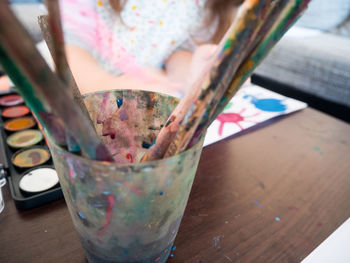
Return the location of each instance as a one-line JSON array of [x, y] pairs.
[[127, 211]]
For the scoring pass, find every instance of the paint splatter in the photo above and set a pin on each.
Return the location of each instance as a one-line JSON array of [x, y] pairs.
[[81, 215], [258, 204], [270, 105], [123, 115], [146, 145], [129, 157], [277, 219], [235, 118], [317, 149], [109, 211], [119, 102], [35, 156], [262, 185], [216, 242], [228, 258]]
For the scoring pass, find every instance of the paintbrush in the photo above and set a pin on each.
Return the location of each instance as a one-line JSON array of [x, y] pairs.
[[249, 19], [267, 19], [279, 22], [274, 33], [47, 93], [51, 124], [51, 28], [194, 104]]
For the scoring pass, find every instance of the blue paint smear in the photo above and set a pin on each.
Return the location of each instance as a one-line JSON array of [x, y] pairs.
[[119, 102], [270, 105], [277, 219], [146, 145], [173, 248], [80, 214], [257, 203]]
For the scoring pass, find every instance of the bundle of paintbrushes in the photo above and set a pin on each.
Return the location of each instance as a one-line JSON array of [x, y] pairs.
[[45, 92], [258, 26]]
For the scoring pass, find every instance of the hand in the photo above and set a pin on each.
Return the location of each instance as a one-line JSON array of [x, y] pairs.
[[184, 67], [202, 60]]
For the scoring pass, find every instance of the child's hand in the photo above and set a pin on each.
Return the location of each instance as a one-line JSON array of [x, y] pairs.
[[4, 83], [202, 60], [184, 67]]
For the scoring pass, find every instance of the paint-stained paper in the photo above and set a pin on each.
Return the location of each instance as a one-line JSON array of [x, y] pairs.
[[252, 105]]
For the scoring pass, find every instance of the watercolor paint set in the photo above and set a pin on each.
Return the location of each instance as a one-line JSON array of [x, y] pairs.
[[24, 155]]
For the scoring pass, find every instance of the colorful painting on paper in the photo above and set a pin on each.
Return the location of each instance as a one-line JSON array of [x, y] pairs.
[[250, 106]]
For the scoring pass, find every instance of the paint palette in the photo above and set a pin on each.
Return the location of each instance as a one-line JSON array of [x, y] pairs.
[[31, 175]]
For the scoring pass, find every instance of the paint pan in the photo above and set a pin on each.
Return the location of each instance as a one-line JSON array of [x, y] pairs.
[[38, 180], [24, 138], [15, 111], [11, 100], [19, 124], [31, 157]]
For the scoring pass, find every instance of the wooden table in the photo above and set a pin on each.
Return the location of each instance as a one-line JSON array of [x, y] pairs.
[[270, 195]]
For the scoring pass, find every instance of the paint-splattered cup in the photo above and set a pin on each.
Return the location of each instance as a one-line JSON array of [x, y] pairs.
[[127, 211]]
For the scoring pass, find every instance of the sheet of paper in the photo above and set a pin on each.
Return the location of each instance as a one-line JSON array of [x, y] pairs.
[[336, 248], [250, 106]]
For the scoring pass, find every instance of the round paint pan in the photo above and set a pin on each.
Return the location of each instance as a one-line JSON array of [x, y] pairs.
[[11, 100], [15, 111], [24, 138], [37, 180], [19, 124], [31, 157]]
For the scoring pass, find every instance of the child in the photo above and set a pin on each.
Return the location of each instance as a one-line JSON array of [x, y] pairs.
[[158, 45]]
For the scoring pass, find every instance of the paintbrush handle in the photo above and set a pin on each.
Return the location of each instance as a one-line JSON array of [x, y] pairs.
[[47, 93], [235, 48], [267, 18], [191, 108], [292, 11], [278, 23], [63, 72], [51, 124], [51, 28]]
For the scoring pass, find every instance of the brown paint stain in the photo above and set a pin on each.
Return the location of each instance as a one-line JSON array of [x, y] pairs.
[[31, 157]]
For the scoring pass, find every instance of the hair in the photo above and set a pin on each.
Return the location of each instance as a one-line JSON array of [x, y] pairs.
[[222, 11]]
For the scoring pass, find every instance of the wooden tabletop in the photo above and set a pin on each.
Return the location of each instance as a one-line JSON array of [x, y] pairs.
[[272, 194]]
